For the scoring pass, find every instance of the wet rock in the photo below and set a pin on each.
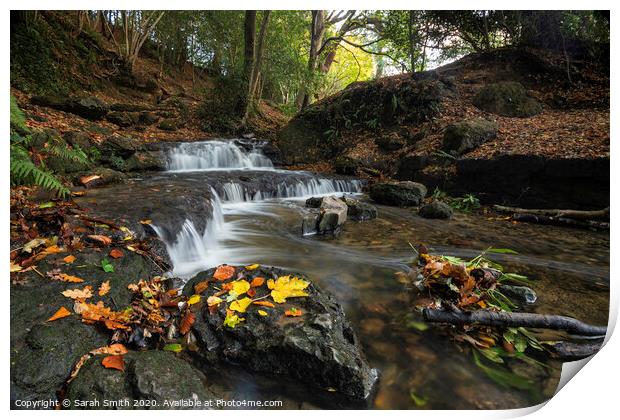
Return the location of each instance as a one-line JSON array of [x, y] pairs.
[[333, 215], [119, 146], [88, 107], [149, 375], [123, 119], [345, 165], [314, 202], [359, 210], [402, 194], [318, 348], [108, 176], [79, 139], [147, 118], [146, 161], [123, 107], [464, 136], [168, 124], [508, 99], [409, 166], [436, 210], [43, 353], [522, 293], [310, 222]]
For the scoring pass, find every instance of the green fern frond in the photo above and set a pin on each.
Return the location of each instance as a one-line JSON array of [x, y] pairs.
[[24, 171], [76, 154]]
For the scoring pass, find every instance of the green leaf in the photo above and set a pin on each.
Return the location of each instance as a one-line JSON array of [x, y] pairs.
[[418, 400], [520, 343], [417, 325], [492, 354], [175, 347], [502, 251], [107, 266], [503, 377], [47, 205]]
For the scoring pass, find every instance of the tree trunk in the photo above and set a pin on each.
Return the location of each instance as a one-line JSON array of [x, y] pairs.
[[573, 214], [255, 73], [317, 31]]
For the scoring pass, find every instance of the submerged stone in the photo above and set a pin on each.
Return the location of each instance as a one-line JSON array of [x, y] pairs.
[[436, 210], [318, 348]]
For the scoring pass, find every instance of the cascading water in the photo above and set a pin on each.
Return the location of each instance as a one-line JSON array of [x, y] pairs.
[[216, 155], [191, 250]]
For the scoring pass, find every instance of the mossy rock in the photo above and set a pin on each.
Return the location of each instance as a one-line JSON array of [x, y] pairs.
[[508, 99], [402, 194], [345, 165], [169, 124], [467, 135]]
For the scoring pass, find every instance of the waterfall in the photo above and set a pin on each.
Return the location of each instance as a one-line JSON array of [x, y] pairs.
[[214, 155]]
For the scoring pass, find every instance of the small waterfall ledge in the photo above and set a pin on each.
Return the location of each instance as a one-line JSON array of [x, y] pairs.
[[216, 155]]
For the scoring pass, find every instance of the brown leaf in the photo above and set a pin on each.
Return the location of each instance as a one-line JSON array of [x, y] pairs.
[[114, 362], [104, 289], [78, 294], [101, 238], [201, 287], [187, 322], [85, 180], [257, 282], [116, 253], [61, 313], [113, 349]]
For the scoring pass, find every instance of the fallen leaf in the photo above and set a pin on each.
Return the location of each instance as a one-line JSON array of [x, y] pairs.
[[201, 287], [240, 287], [90, 178], [187, 322], [116, 253], [35, 243], [104, 289], [257, 282], [194, 299], [232, 320], [293, 312], [146, 222], [69, 259], [252, 267], [251, 293], [224, 272], [114, 362], [287, 287], [262, 313], [213, 300], [240, 305], [15, 267], [113, 349], [79, 294], [173, 347], [264, 303], [106, 240], [61, 313]]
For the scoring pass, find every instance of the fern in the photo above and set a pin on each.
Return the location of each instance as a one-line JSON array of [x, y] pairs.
[[18, 119], [24, 171]]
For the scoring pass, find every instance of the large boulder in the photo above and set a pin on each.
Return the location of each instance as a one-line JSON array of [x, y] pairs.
[[467, 135], [345, 165], [508, 99], [123, 119], [402, 194], [436, 210], [122, 147], [390, 142], [409, 165], [159, 378], [318, 348], [330, 216], [146, 161]]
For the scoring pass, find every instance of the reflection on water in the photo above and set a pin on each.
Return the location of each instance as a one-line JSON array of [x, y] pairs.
[[571, 268]]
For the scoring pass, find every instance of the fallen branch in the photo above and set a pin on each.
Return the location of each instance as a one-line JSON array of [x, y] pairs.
[[559, 221], [567, 351], [514, 319], [556, 213]]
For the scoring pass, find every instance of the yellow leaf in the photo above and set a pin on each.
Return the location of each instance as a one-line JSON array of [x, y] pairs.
[[252, 267], [104, 289], [232, 320], [79, 294], [15, 267], [194, 299], [286, 287], [69, 259], [146, 221], [240, 287], [61, 313], [213, 300], [240, 305], [262, 313], [35, 243]]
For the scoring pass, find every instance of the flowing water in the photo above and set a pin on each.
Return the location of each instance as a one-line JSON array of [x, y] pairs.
[[256, 217]]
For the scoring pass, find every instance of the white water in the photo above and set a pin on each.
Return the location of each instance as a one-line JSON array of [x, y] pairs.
[[222, 241], [215, 155]]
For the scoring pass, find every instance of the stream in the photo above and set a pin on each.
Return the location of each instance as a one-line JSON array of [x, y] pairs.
[[225, 202]]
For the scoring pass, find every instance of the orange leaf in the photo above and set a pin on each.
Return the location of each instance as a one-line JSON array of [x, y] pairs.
[[113, 349], [69, 259], [115, 325], [116, 253], [101, 238], [90, 178], [78, 294], [257, 282], [293, 312], [61, 313], [201, 287], [264, 303], [224, 272], [251, 293], [187, 322], [70, 279], [104, 289], [114, 362]]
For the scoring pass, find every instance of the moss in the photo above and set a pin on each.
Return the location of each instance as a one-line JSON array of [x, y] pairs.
[[508, 99]]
